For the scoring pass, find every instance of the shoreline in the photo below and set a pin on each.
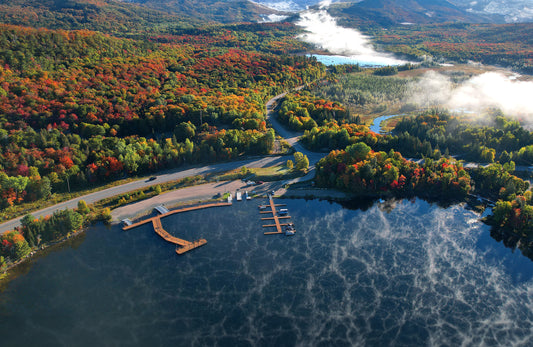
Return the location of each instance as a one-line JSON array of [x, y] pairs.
[[197, 194], [187, 196]]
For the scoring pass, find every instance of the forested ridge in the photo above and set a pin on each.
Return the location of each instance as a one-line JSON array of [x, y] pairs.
[[508, 45], [108, 16]]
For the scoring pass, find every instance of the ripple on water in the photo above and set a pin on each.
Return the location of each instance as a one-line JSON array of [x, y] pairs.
[[416, 275]]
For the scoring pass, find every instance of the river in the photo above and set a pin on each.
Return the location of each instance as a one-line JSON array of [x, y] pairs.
[[414, 274], [376, 123]]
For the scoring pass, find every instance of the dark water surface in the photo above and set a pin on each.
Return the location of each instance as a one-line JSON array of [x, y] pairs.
[[415, 275]]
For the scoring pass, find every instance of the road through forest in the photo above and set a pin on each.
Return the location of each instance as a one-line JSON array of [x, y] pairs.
[[179, 173]]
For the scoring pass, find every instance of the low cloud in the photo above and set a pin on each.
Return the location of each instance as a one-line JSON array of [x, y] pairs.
[[491, 89], [323, 31]]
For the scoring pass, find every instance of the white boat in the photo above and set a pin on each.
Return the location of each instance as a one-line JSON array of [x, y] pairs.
[[283, 211], [230, 198], [262, 207], [289, 230], [248, 197], [238, 196]]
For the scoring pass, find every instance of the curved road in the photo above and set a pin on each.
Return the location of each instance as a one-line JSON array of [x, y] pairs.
[[292, 138]]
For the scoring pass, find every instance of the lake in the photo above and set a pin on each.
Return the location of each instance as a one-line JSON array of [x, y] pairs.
[[407, 273], [366, 61]]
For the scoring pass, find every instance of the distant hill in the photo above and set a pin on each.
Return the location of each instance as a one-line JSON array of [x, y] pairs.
[[511, 10], [223, 11], [393, 12], [101, 15]]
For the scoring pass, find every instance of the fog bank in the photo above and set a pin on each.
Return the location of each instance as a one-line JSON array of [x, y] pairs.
[[323, 31], [491, 89]]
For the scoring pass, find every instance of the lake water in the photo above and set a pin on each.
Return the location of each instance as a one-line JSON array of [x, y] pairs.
[[409, 275], [363, 61]]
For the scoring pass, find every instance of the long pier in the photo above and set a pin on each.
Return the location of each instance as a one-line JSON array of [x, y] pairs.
[[274, 217], [158, 227]]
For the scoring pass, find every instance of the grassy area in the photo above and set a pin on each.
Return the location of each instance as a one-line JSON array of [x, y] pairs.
[[273, 173]]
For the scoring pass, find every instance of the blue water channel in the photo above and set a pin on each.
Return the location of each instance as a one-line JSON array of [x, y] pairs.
[[376, 123], [408, 273]]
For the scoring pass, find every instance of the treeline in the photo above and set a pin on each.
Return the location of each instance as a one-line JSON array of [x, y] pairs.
[[504, 140], [433, 133], [277, 38], [506, 45], [35, 232], [334, 136], [105, 16], [364, 90], [82, 107], [303, 111], [512, 214], [358, 169]]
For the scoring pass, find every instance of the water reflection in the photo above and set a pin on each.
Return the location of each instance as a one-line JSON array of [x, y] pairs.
[[409, 274]]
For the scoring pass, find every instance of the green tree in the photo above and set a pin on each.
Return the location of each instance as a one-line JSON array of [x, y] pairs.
[[302, 162], [290, 164], [21, 249], [82, 207], [358, 151]]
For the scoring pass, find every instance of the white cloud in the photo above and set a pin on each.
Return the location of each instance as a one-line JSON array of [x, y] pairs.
[[323, 31], [491, 89], [274, 18]]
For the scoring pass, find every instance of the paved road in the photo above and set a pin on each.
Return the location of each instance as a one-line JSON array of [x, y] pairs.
[[293, 138], [172, 175]]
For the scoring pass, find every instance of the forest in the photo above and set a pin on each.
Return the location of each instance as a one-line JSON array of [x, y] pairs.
[[359, 169], [107, 92], [506, 45], [81, 107], [369, 164]]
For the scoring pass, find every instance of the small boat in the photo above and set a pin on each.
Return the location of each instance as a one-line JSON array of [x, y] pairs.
[[248, 197], [239, 196], [262, 207], [283, 211], [230, 198], [289, 230]]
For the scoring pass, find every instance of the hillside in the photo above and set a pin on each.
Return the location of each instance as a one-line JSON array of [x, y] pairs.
[[388, 13], [84, 107], [223, 11], [101, 15]]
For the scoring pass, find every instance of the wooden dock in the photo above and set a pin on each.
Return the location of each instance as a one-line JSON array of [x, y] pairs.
[[274, 217], [158, 227]]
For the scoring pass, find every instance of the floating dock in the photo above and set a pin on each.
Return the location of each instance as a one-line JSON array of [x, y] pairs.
[[274, 217], [158, 227]]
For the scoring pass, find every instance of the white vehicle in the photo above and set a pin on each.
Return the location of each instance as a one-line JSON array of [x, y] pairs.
[[230, 198], [239, 196]]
